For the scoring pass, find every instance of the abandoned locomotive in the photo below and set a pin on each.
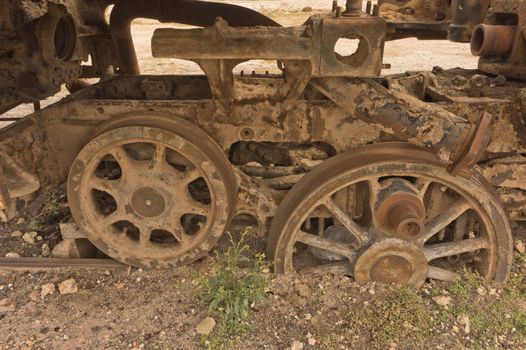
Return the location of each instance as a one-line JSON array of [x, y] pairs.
[[395, 178]]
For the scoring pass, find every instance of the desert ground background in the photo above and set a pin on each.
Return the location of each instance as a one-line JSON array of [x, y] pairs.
[[131, 308]]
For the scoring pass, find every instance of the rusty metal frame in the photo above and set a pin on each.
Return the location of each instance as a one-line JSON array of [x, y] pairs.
[[314, 42]]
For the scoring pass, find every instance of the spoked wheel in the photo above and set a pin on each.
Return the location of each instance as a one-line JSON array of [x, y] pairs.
[[391, 213], [150, 197]]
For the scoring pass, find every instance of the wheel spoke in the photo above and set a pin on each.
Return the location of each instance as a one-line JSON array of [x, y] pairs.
[[460, 227], [326, 244], [174, 226], [159, 157], [374, 188], [440, 274], [191, 175], [358, 232], [198, 208], [116, 216], [145, 232], [441, 250], [422, 186], [445, 218], [108, 186], [122, 157]]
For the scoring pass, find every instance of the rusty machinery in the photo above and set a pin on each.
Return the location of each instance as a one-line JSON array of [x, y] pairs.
[[344, 170]]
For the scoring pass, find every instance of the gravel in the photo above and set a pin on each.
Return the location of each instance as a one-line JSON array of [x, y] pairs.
[[68, 286]]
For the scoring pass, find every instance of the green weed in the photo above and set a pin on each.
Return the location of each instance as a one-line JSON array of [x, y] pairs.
[[401, 317], [236, 284], [34, 225]]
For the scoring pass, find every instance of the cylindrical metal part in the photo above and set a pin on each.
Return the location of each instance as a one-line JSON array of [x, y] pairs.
[[465, 15], [404, 219], [492, 40], [399, 210], [353, 5]]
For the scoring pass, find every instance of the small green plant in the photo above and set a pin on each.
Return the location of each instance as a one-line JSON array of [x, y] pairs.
[[236, 284], [34, 225], [401, 317], [490, 314], [53, 208]]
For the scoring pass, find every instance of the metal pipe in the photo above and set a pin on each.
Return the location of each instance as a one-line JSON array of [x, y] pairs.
[[190, 12], [492, 40]]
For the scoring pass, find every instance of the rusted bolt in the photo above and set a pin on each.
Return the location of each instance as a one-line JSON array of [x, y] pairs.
[[247, 134]]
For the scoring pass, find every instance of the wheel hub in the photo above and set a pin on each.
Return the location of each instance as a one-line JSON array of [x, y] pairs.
[[148, 202], [391, 269], [392, 261], [400, 211]]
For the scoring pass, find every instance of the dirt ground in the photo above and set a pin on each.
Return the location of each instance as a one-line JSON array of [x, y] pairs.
[[130, 308]]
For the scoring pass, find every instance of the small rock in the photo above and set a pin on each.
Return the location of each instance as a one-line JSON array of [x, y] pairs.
[[39, 238], [46, 252], [34, 295], [442, 300], [481, 291], [302, 290], [20, 221], [519, 245], [311, 341], [12, 255], [47, 289], [206, 326], [455, 329], [308, 317], [296, 345], [29, 237], [464, 320], [7, 305], [17, 234], [68, 286]]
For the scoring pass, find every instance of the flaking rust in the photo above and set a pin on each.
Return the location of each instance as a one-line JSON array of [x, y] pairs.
[[378, 175]]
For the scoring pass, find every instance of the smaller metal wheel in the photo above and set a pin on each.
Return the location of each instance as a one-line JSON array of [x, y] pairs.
[[150, 197], [391, 213]]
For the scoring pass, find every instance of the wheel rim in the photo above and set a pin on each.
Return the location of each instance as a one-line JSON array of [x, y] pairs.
[[463, 224], [149, 197]]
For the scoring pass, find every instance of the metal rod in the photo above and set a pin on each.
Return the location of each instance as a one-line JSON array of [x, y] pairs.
[[42, 264]]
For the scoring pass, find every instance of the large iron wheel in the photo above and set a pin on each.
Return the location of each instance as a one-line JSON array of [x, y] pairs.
[[152, 196], [391, 213]]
